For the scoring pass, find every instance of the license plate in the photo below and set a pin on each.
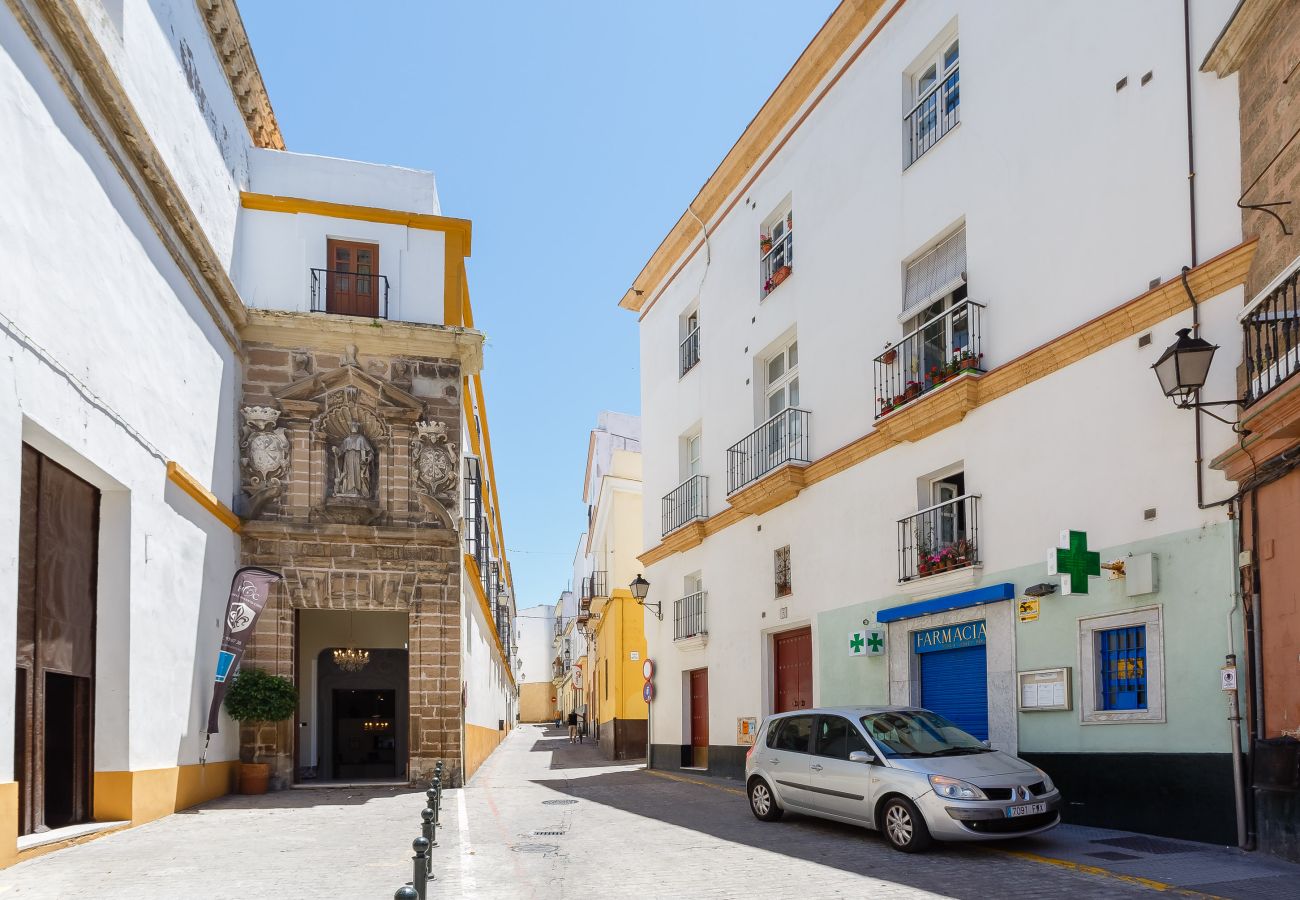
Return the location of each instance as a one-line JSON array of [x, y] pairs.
[[1028, 809]]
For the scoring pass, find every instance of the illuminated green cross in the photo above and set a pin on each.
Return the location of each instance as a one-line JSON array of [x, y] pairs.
[[1077, 562], [856, 642], [876, 642]]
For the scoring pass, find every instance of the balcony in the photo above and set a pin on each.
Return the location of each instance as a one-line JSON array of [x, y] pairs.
[[686, 503], [593, 586], [689, 616], [781, 440], [1272, 329], [938, 351], [942, 538], [349, 294], [934, 115], [688, 355]]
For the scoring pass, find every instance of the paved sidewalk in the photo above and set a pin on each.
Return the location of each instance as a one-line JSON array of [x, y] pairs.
[[547, 819]]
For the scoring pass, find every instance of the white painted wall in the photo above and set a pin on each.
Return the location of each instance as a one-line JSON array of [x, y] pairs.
[[1074, 197], [111, 366], [536, 628]]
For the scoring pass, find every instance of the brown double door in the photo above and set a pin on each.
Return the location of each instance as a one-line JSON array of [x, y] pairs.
[[53, 714], [792, 658], [352, 283], [700, 718]]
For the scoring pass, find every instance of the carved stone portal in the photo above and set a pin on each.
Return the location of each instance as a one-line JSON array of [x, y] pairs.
[[264, 461], [354, 459], [434, 471]]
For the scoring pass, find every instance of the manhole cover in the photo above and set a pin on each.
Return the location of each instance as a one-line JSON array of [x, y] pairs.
[[1139, 843], [535, 848], [557, 802], [1113, 855]]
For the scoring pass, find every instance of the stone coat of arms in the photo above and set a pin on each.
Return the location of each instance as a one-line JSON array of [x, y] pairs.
[[435, 472], [264, 462]]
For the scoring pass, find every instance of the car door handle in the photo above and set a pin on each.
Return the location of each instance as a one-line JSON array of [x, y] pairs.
[[814, 767], [774, 761]]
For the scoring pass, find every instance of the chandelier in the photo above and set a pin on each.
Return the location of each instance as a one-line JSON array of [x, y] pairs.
[[350, 659]]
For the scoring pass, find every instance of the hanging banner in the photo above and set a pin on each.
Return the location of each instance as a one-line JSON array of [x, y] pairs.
[[248, 592]]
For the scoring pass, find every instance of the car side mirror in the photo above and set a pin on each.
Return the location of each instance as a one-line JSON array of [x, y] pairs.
[[861, 756], [987, 744]]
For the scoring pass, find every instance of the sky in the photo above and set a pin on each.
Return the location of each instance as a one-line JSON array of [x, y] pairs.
[[573, 135]]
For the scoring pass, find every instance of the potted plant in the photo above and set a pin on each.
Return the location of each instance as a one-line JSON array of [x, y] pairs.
[[913, 390], [938, 375], [886, 405], [780, 275], [259, 698], [764, 243], [890, 354]]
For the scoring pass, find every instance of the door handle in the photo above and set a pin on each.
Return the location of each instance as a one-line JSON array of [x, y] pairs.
[[774, 761], [815, 768]]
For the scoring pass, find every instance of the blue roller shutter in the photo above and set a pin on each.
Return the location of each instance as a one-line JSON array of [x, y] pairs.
[[954, 684]]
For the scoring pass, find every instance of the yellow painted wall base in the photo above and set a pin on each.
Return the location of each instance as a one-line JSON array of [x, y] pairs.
[[148, 794], [479, 744], [8, 823], [535, 702]]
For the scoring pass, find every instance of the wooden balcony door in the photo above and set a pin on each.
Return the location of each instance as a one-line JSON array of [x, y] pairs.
[[58, 537], [700, 718], [350, 288], [792, 653]]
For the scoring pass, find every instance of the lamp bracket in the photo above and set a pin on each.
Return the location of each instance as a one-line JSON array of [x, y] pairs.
[[656, 608]]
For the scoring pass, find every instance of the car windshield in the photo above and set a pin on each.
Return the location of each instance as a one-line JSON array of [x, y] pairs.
[[918, 733]]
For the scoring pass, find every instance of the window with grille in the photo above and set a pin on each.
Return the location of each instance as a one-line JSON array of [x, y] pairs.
[[783, 586], [1122, 668], [475, 521]]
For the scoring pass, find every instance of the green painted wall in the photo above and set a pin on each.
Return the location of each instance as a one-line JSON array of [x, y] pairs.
[[1196, 581]]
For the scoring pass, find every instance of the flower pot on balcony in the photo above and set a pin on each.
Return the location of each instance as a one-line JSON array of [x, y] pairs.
[[780, 275], [764, 246], [889, 356], [253, 777], [913, 391]]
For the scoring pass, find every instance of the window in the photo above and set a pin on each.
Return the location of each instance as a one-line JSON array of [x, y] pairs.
[[689, 351], [693, 584], [782, 565], [793, 734], [776, 248], [1121, 658], [781, 379], [1122, 667], [691, 449], [352, 283], [935, 274], [935, 100], [837, 737]]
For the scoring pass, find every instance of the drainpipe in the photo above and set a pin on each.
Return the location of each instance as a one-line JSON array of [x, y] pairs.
[[1244, 840]]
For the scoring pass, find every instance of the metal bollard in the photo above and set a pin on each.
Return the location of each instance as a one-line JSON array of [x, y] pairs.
[[406, 892], [429, 830], [437, 801], [431, 801], [420, 866]]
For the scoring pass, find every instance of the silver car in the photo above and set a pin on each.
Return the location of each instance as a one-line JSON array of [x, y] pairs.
[[902, 770]]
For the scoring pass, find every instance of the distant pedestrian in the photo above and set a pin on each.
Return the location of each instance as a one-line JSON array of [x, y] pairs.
[[573, 727]]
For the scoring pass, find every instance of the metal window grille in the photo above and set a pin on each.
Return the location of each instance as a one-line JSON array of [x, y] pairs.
[[1273, 338], [942, 537], [940, 349], [782, 559], [1122, 667], [782, 439], [778, 260], [689, 352], [934, 115], [689, 616], [687, 502], [325, 282]]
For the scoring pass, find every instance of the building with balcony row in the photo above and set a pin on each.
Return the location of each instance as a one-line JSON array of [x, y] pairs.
[[219, 352], [896, 375]]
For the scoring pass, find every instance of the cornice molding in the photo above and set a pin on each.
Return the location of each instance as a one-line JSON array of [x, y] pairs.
[[230, 41], [425, 221], [373, 337], [945, 406], [1248, 24]]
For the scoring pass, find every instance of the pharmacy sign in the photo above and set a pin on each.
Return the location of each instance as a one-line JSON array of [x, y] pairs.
[[870, 642]]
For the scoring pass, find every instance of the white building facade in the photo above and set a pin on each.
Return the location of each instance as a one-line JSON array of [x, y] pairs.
[[911, 348]]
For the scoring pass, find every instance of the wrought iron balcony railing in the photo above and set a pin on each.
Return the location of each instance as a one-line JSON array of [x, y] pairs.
[[937, 351], [940, 538], [782, 439], [593, 586], [686, 503], [1273, 338], [349, 294], [689, 352], [934, 115], [689, 616]]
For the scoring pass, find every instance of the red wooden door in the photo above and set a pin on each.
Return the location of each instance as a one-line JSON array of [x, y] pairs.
[[700, 718], [350, 288], [792, 653]]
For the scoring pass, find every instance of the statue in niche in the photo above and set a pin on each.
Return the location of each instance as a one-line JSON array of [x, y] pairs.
[[352, 463]]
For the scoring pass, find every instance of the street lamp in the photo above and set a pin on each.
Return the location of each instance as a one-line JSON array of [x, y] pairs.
[[640, 587], [1184, 366]]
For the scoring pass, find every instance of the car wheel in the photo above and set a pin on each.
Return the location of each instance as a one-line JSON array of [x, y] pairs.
[[762, 802], [903, 826]]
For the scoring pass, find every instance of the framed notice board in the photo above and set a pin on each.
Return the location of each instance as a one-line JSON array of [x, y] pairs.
[[1044, 689]]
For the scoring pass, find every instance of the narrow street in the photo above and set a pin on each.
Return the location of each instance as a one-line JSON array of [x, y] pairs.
[[544, 819]]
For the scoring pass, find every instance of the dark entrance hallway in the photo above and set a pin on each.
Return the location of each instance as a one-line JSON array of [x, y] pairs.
[[365, 734]]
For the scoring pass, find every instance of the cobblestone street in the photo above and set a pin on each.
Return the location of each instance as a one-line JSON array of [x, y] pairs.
[[544, 819]]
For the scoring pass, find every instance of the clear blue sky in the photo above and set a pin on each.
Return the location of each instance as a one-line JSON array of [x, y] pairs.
[[573, 135]]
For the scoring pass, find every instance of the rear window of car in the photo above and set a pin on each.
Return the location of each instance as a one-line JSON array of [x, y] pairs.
[[837, 737], [791, 734]]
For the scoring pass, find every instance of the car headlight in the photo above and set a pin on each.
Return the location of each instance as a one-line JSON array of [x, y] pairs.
[[1048, 786], [953, 789]]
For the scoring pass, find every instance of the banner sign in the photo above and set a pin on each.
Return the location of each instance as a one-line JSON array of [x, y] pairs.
[[949, 637], [248, 592]]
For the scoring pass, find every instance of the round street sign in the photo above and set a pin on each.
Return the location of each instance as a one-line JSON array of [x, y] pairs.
[[648, 692], [648, 669]]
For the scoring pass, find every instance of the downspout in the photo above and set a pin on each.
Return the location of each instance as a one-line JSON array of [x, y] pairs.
[[1245, 840]]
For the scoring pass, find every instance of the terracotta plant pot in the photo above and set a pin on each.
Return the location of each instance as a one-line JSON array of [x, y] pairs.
[[253, 777], [780, 275], [889, 356]]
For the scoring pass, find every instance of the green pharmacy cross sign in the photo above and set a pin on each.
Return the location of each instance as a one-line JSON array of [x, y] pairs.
[[1074, 562], [867, 643]]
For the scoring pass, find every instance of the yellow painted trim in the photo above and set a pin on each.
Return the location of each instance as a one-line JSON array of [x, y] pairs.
[[148, 794], [1104, 873], [423, 221], [204, 497], [8, 823], [480, 741], [947, 405], [475, 576], [453, 279]]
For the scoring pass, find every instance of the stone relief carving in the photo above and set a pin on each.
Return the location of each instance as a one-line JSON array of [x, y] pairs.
[[264, 460], [354, 458], [435, 473], [302, 365]]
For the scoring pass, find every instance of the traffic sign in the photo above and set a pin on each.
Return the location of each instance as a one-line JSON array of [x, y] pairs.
[[648, 669], [648, 692]]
